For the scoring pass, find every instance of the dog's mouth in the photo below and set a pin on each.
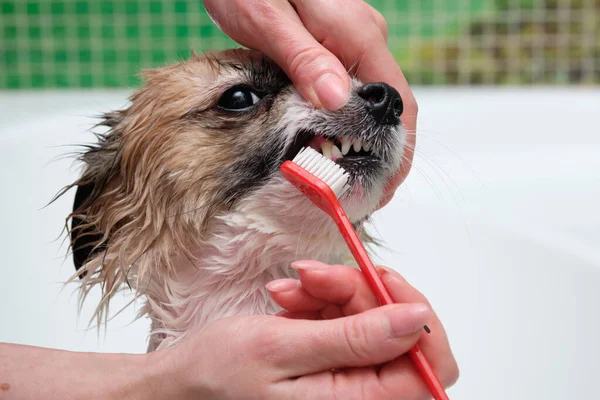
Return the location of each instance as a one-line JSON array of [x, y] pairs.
[[350, 153]]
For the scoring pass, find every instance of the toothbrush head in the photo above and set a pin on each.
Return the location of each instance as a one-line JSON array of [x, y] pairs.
[[320, 179]]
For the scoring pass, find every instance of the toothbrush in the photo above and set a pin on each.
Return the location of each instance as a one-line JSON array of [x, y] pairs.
[[323, 182]]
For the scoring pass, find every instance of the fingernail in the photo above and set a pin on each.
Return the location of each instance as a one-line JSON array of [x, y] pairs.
[[331, 91], [407, 319], [388, 273], [308, 265], [283, 285]]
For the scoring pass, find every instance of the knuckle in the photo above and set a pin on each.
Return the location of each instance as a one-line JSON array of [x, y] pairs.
[[300, 61], [265, 343], [381, 23], [357, 338], [260, 11], [245, 8]]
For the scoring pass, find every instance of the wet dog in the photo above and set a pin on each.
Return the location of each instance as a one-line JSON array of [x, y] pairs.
[[182, 200]]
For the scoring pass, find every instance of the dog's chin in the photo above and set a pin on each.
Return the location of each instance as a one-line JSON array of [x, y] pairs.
[[360, 202]]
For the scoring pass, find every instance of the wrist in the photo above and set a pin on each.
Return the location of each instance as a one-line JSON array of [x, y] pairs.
[[166, 375], [125, 376]]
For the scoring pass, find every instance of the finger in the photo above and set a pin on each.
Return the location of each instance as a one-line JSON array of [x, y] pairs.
[[337, 284], [310, 315], [331, 311], [379, 20], [369, 338], [397, 379], [290, 294], [401, 376], [317, 73], [367, 53], [367, 50], [434, 345]]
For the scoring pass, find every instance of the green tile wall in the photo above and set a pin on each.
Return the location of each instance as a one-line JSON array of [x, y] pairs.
[[97, 43], [105, 43]]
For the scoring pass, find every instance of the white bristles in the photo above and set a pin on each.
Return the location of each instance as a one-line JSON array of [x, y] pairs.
[[324, 169]]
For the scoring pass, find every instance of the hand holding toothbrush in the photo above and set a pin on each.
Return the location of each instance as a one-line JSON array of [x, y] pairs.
[[335, 291]]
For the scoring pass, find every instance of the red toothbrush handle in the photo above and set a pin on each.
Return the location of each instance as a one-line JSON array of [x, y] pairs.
[[368, 269]]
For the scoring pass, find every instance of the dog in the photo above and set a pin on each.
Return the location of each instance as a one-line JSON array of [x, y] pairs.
[[182, 200]]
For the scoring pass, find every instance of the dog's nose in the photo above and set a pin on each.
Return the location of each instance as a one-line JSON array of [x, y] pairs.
[[383, 102]]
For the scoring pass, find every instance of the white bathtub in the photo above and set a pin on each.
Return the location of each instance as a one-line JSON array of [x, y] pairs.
[[498, 224]]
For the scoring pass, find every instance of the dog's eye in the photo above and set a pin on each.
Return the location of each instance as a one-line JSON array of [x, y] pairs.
[[238, 99]]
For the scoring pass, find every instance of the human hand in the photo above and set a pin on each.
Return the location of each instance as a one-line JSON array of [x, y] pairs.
[[333, 291], [355, 355], [315, 42]]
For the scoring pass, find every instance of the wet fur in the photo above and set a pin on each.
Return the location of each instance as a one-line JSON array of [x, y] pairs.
[[184, 203]]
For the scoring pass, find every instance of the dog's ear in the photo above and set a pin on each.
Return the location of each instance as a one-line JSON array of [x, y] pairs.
[[101, 167], [83, 239]]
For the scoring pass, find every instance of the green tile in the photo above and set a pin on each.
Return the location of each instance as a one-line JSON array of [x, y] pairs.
[[132, 31], [206, 31], [10, 31], [86, 81], [81, 7], [60, 56], [57, 7], [83, 31], [182, 31], [13, 81], [38, 81], [183, 54], [85, 56], [156, 7], [158, 56], [181, 6], [35, 32], [107, 7], [61, 80], [108, 31], [7, 7], [109, 56], [131, 7], [33, 8], [111, 80], [10, 57], [36, 56], [183, 47], [157, 31], [134, 56], [133, 81], [59, 31]]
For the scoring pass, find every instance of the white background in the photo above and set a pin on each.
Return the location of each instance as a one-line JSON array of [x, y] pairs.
[[498, 224]]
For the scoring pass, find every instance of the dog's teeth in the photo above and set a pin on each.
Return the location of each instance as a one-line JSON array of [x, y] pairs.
[[357, 145], [326, 148], [346, 144], [335, 152], [366, 146]]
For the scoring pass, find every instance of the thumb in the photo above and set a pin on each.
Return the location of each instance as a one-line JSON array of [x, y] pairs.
[[373, 337], [275, 29], [317, 73]]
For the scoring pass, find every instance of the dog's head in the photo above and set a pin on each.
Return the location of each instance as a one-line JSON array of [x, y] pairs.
[[206, 133]]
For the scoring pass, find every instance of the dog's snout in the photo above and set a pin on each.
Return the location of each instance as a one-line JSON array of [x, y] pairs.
[[383, 102]]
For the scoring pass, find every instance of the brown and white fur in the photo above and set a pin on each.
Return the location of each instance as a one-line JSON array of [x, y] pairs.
[[182, 198]]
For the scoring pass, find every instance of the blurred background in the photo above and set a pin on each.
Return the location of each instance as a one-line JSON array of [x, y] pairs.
[[104, 43]]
